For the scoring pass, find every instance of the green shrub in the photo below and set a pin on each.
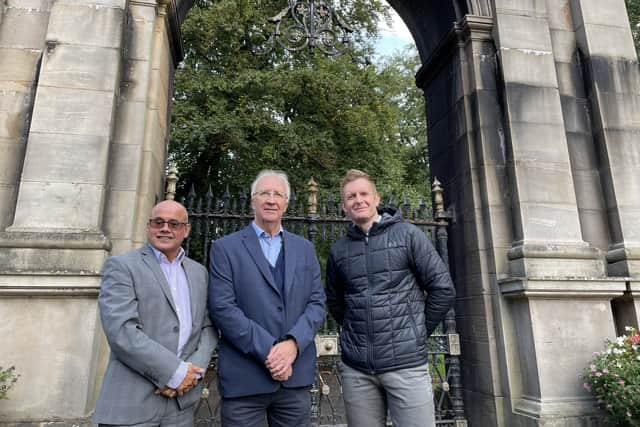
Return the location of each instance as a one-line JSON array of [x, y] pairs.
[[614, 378], [8, 378]]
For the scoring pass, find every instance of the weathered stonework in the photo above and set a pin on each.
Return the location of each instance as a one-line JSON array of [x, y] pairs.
[[91, 107]]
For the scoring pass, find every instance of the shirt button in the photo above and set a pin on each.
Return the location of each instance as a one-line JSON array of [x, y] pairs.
[[279, 308], [176, 329]]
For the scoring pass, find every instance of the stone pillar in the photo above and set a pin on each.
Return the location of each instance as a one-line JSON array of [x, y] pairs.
[[52, 254], [139, 145], [466, 148], [93, 168], [22, 32], [613, 89], [546, 221], [557, 280]]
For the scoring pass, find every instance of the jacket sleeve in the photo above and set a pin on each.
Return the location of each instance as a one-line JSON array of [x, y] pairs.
[[335, 292], [305, 328], [122, 326], [433, 277], [243, 333]]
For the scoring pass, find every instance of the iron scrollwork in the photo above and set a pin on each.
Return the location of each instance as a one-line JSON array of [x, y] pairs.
[[306, 24]]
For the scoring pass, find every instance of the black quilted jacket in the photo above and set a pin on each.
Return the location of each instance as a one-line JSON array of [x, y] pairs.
[[376, 288]]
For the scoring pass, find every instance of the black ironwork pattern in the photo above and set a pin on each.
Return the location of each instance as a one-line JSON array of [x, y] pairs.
[[212, 218], [305, 24]]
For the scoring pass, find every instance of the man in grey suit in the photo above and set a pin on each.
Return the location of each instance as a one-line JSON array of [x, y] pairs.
[[153, 307]]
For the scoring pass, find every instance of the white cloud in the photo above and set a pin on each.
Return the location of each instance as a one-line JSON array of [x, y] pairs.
[[397, 29], [393, 38]]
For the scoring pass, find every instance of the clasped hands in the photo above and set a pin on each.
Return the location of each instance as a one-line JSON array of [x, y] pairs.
[[280, 359], [190, 381]]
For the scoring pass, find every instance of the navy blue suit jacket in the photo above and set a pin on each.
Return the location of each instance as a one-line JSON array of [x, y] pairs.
[[251, 312]]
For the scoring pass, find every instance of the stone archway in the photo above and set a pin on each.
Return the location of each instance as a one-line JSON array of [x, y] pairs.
[[532, 112]]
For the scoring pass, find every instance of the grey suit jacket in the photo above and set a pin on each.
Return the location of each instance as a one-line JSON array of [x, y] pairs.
[[141, 325]]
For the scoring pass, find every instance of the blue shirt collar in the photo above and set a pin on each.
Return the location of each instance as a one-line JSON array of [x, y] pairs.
[[259, 231], [162, 257]]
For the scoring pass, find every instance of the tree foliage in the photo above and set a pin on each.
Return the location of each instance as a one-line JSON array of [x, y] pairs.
[[235, 112], [633, 10]]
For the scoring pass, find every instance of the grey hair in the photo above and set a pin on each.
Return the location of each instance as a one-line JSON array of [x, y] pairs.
[[271, 172]]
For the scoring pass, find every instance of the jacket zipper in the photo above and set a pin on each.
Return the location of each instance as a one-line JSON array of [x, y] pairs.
[[369, 315]]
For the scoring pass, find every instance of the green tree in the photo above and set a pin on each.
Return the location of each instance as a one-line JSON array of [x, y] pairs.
[[235, 112], [633, 10]]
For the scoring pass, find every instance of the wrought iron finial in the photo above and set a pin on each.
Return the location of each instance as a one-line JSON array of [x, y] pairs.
[[306, 24], [172, 180], [312, 203], [438, 199]]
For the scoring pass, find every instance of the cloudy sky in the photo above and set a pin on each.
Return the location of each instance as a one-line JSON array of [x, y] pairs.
[[393, 38]]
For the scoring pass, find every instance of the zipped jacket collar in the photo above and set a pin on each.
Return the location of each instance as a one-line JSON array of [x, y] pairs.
[[388, 215]]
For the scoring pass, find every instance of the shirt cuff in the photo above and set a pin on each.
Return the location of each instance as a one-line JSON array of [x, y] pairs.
[[178, 375]]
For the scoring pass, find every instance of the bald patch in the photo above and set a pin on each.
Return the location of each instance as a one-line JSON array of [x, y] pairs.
[[170, 205]]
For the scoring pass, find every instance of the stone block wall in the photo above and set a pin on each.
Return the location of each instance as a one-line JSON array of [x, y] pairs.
[[85, 88]]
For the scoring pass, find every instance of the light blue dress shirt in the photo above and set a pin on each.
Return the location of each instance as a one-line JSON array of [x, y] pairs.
[[270, 245], [177, 279]]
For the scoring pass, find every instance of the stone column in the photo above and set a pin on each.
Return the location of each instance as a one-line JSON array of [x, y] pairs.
[[139, 146], [52, 254], [546, 221], [23, 25], [613, 89], [557, 280], [466, 148], [94, 167]]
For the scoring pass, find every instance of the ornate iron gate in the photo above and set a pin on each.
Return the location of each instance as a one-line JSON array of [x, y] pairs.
[[212, 218]]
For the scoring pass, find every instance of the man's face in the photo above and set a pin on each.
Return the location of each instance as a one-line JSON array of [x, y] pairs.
[[269, 202], [168, 236], [360, 201]]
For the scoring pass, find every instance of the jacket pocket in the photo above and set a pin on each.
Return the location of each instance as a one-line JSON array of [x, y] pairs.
[[414, 326]]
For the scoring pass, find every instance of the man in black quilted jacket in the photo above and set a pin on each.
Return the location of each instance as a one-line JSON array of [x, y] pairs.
[[377, 278]]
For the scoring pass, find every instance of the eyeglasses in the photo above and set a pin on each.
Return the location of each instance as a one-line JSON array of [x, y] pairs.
[[158, 223], [269, 194]]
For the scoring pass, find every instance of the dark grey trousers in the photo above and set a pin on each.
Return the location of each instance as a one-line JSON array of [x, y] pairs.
[[286, 407]]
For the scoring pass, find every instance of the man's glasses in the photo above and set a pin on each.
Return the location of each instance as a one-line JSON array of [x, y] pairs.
[[269, 194], [158, 223]]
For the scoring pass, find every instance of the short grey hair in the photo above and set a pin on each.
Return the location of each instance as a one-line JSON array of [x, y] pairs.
[[272, 172]]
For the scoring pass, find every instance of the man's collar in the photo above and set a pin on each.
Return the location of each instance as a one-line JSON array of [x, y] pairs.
[[259, 231], [161, 256]]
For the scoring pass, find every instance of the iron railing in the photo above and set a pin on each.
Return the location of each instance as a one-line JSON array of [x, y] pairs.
[[322, 223]]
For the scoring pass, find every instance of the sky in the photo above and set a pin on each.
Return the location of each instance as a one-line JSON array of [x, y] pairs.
[[393, 38]]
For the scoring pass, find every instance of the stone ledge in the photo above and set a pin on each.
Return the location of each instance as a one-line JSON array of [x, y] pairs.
[[44, 261], [562, 287], [557, 409], [53, 423], [552, 250], [54, 239]]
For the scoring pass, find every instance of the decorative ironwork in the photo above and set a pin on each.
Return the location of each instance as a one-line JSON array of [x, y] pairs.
[[306, 24], [322, 223]]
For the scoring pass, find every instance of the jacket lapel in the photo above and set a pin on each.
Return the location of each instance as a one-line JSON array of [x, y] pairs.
[[290, 258], [190, 273], [151, 261], [250, 241]]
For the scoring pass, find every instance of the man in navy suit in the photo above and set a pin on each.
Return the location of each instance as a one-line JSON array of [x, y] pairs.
[[267, 299]]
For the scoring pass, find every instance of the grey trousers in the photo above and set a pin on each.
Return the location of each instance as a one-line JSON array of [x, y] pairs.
[[171, 416], [405, 393], [285, 407]]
